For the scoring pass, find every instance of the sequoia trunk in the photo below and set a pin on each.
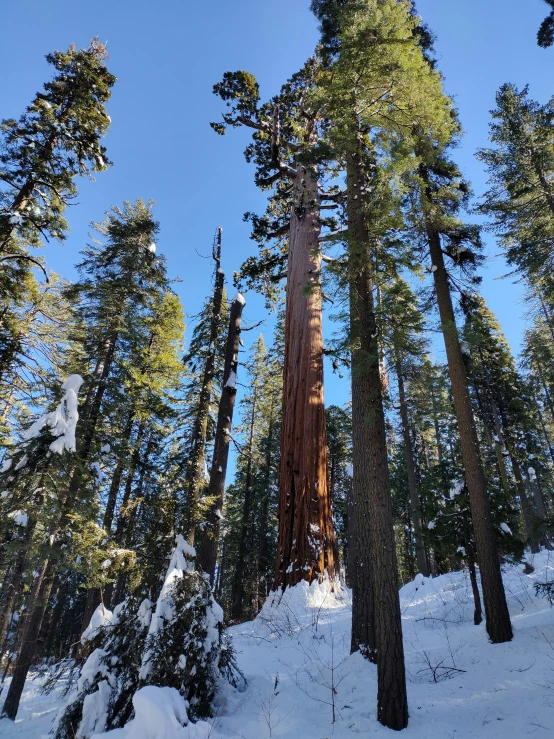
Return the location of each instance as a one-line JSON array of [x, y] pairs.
[[306, 546]]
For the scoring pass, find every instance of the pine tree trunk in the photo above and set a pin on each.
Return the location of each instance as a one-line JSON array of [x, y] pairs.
[[477, 613], [498, 623], [415, 505], [209, 539], [195, 462], [29, 644], [376, 616], [306, 547]]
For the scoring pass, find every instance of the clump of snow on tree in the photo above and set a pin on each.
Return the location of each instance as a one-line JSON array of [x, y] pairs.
[[62, 421], [20, 518]]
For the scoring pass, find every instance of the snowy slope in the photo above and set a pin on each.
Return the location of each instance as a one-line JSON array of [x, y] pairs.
[[296, 651]]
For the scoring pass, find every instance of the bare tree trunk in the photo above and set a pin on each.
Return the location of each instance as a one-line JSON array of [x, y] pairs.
[[195, 462], [498, 623], [415, 505], [306, 546], [477, 613], [209, 539], [376, 616]]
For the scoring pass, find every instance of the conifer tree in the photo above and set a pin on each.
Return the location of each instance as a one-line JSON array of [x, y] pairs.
[[406, 328], [521, 197], [545, 35], [196, 456], [285, 149], [505, 404], [442, 192], [118, 278], [359, 82], [56, 139], [248, 552]]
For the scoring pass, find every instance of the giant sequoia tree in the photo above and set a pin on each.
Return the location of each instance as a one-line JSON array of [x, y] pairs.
[[284, 146]]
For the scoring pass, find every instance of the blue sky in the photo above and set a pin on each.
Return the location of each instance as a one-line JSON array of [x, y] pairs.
[[168, 54]]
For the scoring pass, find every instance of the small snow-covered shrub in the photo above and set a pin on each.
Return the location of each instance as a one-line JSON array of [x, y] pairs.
[[183, 644], [110, 675], [178, 644]]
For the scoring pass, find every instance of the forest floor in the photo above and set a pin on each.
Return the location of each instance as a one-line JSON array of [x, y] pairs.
[[296, 659]]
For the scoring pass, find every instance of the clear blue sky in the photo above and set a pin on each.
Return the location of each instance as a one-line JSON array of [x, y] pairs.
[[168, 54]]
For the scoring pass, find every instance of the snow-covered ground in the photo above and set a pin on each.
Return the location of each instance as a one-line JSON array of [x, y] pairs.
[[296, 659]]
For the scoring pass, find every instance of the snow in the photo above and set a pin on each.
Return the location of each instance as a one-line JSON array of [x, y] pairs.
[[101, 618], [106, 449], [160, 713], [63, 420], [22, 462], [6, 466], [456, 489], [144, 614], [152, 247], [232, 380], [532, 474], [431, 524], [95, 711], [20, 518], [503, 691], [239, 299], [505, 528]]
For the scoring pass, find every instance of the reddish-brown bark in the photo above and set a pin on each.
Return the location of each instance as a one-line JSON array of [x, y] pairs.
[[306, 547]]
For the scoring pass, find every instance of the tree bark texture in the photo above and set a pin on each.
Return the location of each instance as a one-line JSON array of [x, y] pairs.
[[306, 546], [376, 618]]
